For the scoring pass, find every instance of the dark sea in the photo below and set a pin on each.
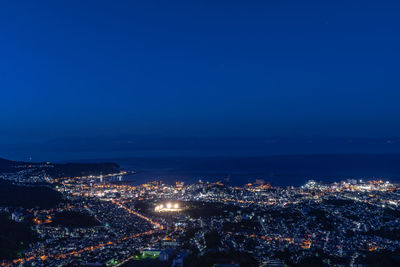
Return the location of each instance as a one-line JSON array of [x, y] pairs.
[[292, 170], [236, 160]]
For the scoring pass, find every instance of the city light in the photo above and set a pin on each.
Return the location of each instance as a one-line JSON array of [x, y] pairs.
[[168, 207]]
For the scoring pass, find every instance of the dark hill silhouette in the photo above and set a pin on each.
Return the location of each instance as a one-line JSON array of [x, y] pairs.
[[82, 169], [27, 196], [7, 165], [63, 169]]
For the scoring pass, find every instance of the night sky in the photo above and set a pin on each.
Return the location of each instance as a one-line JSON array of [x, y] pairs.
[[199, 68]]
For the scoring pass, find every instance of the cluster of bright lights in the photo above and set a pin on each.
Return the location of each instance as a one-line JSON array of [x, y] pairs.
[[168, 207]]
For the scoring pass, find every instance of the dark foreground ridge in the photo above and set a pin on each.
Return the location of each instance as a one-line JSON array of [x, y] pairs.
[[73, 219], [12, 195], [14, 237]]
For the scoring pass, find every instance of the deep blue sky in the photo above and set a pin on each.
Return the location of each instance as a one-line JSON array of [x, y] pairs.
[[199, 68]]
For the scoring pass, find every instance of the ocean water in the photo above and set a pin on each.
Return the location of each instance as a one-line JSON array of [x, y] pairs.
[[278, 170]]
